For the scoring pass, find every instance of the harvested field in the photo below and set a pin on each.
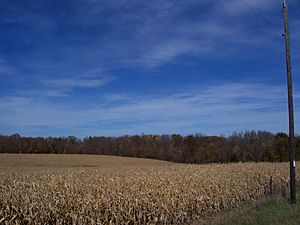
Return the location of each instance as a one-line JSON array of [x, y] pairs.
[[68, 160], [134, 191]]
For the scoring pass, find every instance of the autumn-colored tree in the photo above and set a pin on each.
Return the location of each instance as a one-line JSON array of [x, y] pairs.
[[246, 146]]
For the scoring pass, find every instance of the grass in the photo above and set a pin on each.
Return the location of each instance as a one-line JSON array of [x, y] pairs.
[[276, 211]]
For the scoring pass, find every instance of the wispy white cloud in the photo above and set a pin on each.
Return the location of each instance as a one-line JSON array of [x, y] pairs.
[[166, 52], [65, 86], [212, 110], [158, 33], [15, 102], [88, 79], [76, 83], [234, 7]]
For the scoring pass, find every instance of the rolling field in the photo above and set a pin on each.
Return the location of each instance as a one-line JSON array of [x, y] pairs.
[[57, 161], [82, 189]]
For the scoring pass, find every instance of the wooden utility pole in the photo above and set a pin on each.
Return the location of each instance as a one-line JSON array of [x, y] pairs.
[[291, 107]]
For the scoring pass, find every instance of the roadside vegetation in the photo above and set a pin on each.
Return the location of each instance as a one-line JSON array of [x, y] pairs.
[[275, 211]]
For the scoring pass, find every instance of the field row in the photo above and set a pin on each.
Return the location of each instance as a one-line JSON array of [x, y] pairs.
[[133, 195]]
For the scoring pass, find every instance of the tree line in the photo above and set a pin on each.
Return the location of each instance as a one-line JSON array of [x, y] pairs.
[[245, 146]]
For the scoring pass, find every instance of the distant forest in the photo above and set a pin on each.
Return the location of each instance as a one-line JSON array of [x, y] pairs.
[[246, 146]]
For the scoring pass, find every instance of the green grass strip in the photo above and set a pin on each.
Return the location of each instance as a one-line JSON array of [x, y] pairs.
[[276, 211]]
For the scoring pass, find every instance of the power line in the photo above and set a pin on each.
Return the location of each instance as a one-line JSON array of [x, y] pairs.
[[263, 17], [268, 21]]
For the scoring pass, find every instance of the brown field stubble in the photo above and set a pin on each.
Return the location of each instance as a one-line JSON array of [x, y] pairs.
[[128, 190]]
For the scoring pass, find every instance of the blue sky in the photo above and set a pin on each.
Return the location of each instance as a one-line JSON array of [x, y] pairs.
[[88, 67]]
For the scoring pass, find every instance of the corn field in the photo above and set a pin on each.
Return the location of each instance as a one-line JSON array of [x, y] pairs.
[[170, 194]]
